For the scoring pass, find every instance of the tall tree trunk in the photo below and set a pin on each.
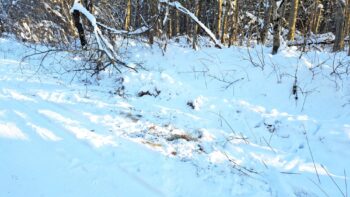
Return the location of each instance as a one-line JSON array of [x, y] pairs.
[[347, 23], [225, 22], [293, 19], [138, 20], [1, 27], [339, 26], [234, 28], [153, 10], [316, 17], [127, 15], [176, 20], [80, 28], [276, 28], [195, 30], [219, 20], [65, 10], [170, 23], [188, 30], [267, 17]]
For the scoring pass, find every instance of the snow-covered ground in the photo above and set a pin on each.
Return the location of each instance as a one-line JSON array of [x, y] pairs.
[[193, 123]]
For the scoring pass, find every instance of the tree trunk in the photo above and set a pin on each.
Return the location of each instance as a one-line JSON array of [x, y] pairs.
[[80, 28], [138, 21], [339, 26], [347, 24], [267, 17], [219, 20], [127, 16], [176, 19], [316, 17], [1, 27], [276, 28], [225, 22], [188, 22], [195, 30], [234, 28], [293, 19], [153, 10], [170, 23]]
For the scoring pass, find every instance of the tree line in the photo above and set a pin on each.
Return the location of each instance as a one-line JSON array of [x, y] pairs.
[[226, 22]]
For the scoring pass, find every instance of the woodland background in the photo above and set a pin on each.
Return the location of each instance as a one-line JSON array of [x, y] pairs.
[[233, 22]]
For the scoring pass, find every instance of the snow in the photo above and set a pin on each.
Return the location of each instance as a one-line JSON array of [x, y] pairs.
[[69, 135], [77, 6]]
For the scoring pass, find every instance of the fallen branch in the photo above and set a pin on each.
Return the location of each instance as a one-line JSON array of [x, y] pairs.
[[140, 30], [313, 42]]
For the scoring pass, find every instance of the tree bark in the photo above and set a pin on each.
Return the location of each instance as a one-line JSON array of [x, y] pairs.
[[176, 19], [138, 21], [170, 23], [347, 23], [267, 17], [225, 22], [80, 28], [153, 10], [316, 17], [127, 16], [219, 20], [276, 28], [195, 30], [339, 26], [234, 28], [293, 19]]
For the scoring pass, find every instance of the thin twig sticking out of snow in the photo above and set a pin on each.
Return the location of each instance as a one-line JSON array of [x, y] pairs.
[[184, 10], [312, 156]]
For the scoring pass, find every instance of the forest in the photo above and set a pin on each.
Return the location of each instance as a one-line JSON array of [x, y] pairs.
[[175, 98], [225, 22]]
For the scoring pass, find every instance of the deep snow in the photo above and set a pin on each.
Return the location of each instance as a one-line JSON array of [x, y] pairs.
[[208, 123]]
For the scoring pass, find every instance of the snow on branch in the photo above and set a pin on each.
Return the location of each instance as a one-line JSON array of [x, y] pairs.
[[79, 7], [184, 10], [102, 42], [140, 30]]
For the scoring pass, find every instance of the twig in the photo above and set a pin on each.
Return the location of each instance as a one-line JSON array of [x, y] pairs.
[[346, 184], [229, 83], [228, 124], [312, 157], [317, 185], [232, 130], [292, 173], [335, 183], [239, 167], [269, 145]]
